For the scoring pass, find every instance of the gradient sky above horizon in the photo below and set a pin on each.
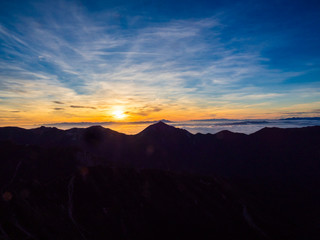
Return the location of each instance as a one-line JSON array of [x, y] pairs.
[[87, 61]]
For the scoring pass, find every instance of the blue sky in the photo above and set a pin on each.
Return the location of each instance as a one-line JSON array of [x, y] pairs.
[[145, 60]]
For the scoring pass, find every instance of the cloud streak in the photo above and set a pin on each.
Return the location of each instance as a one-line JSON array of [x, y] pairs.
[[58, 102], [75, 106], [178, 66]]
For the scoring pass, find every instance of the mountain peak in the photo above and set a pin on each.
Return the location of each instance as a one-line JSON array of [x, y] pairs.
[[98, 129], [228, 135], [159, 128], [161, 124]]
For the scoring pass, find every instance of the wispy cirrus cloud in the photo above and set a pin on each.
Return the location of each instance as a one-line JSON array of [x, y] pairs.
[[91, 60]]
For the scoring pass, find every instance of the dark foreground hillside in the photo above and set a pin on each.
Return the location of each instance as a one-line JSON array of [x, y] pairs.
[[164, 182], [106, 203]]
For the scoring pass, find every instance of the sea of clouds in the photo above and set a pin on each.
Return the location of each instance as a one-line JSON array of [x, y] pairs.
[[202, 126]]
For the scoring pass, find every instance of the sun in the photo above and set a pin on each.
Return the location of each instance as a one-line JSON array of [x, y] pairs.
[[118, 114]]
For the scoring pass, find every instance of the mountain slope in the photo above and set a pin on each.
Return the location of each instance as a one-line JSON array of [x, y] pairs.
[[264, 185], [100, 203]]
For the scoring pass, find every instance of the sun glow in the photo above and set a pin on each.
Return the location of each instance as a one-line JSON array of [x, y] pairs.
[[118, 114]]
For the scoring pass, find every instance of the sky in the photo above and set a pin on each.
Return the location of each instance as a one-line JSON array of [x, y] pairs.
[[96, 61]]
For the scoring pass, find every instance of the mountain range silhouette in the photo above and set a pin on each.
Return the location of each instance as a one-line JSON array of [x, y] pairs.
[[164, 182]]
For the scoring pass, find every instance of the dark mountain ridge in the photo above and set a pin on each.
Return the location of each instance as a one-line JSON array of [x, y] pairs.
[[165, 147], [96, 183]]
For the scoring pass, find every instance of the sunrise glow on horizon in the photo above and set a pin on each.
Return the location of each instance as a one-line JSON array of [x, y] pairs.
[[129, 61]]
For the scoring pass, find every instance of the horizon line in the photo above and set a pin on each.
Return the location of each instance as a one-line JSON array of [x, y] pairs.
[[167, 121], [191, 120]]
